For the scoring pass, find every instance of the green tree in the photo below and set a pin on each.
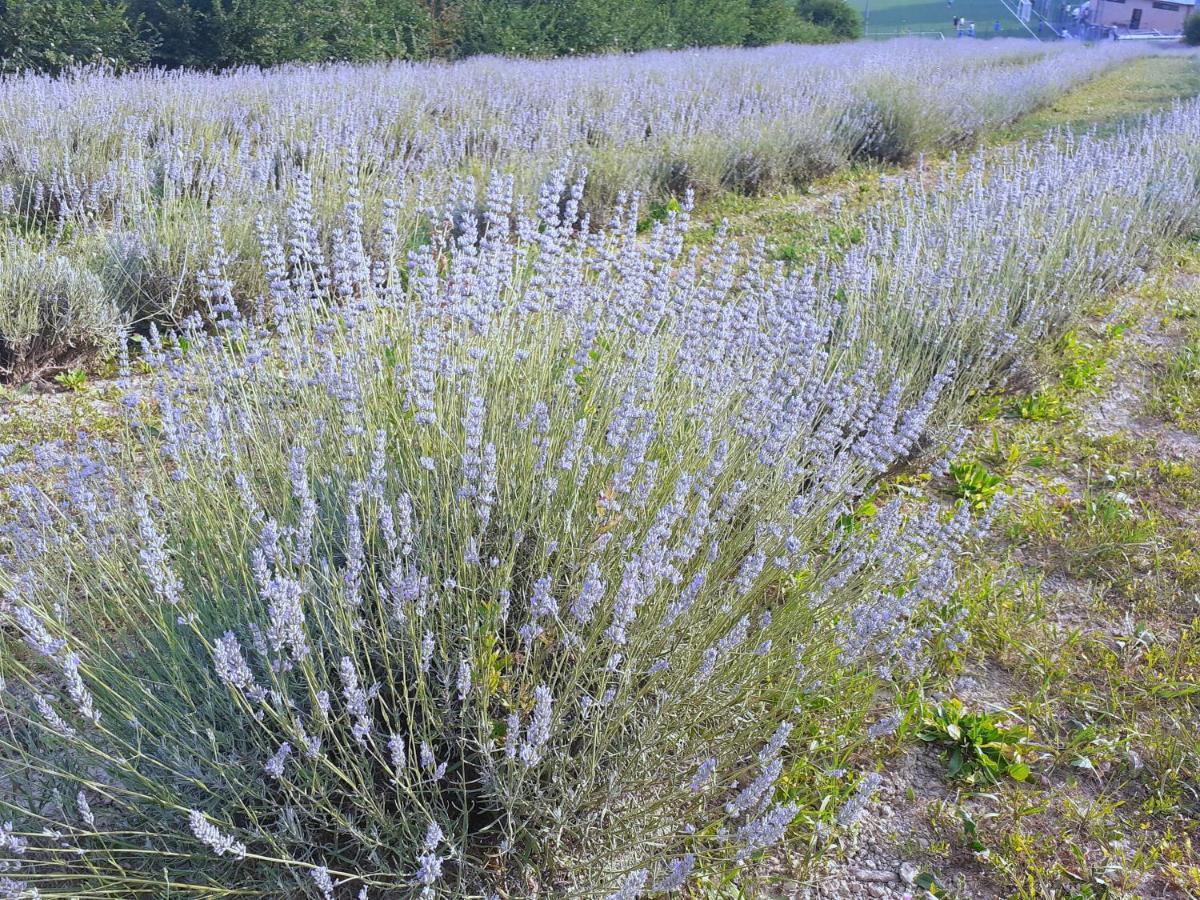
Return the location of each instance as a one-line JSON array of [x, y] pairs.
[[493, 26], [50, 35], [835, 16], [560, 27], [221, 33], [707, 23], [768, 22], [360, 30], [1191, 30], [213, 34], [216, 34]]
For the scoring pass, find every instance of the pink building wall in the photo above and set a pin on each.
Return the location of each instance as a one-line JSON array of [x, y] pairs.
[[1154, 16]]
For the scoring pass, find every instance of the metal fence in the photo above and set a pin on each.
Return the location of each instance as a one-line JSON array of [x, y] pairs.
[[884, 35]]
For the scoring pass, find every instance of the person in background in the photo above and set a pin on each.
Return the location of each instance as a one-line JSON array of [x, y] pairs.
[[971, 30], [996, 27]]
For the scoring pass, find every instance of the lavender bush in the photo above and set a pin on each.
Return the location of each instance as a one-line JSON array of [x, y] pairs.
[[502, 576], [511, 563], [52, 311], [151, 166]]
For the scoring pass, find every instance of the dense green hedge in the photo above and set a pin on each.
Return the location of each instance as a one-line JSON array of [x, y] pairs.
[[51, 34]]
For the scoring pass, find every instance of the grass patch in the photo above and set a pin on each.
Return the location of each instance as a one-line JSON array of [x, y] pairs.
[[1086, 604], [1177, 385]]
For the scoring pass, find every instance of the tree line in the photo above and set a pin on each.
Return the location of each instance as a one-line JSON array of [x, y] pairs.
[[49, 35]]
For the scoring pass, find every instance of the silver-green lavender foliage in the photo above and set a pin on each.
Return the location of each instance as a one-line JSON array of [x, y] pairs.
[[52, 311], [514, 559]]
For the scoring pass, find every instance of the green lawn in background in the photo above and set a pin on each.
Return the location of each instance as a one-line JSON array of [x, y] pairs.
[[1119, 96], [889, 16]]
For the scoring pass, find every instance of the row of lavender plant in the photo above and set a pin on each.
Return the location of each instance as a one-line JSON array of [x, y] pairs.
[[519, 563], [120, 182]]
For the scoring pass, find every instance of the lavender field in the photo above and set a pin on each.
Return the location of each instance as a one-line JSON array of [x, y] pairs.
[[469, 531], [117, 193]]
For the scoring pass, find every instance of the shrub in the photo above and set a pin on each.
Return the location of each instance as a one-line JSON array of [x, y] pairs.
[[887, 130], [839, 18], [139, 275], [516, 561], [508, 574], [150, 269], [1191, 30], [52, 35], [51, 312]]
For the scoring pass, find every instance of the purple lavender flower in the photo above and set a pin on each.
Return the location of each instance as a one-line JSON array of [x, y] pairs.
[[538, 732], [765, 830], [589, 595], [396, 747], [208, 833], [274, 765], [77, 691], [231, 665], [676, 878], [85, 810], [429, 863], [153, 556], [885, 726], [753, 793], [36, 635], [704, 774], [427, 647], [463, 682], [631, 886], [775, 745], [356, 701], [286, 617], [541, 601], [853, 808], [323, 881]]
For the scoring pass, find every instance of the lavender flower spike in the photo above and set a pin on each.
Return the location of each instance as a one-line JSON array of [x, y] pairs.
[[631, 886], [324, 883], [538, 732], [853, 808], [209, 834]]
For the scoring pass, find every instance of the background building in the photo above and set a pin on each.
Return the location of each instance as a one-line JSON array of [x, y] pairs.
[[1121, 17]]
